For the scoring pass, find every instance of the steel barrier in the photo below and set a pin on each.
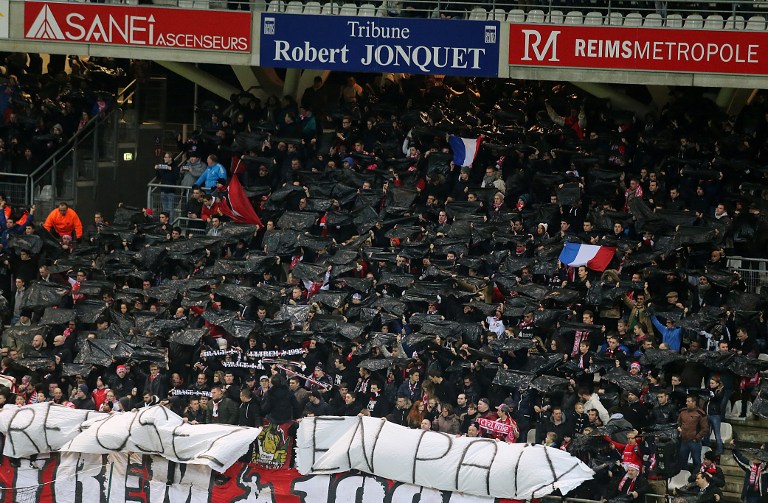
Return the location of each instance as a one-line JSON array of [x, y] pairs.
[[753, 271]]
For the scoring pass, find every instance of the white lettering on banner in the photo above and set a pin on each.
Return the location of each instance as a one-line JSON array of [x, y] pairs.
[[666, 51], [533, 41], [309, 54], [131, 29], [482, 467], [369, 29], [424, 58], [41, 428]]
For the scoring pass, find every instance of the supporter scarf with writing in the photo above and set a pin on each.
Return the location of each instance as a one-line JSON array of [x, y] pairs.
[[624, 481], [755, 472]]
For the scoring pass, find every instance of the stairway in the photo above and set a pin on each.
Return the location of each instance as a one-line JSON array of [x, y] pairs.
[[749, 433]]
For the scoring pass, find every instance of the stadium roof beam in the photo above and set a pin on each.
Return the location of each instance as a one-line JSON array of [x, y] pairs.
[[202, 78]]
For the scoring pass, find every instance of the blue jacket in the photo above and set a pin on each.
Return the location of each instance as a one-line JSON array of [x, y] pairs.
[[211, 175], [673, 337]]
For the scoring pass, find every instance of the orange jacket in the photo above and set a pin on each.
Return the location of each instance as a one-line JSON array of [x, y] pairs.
[[68, 223]]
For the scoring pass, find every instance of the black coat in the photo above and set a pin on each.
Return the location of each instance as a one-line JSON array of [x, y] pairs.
[[249, 414], [280, 405]]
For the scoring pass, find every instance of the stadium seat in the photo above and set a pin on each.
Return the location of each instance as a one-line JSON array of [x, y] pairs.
[[713, 22], [367, 10], [614, 19], [574, 17], [755, 23], [330, 9], [478, 14], [516, 16], [705, 449], [294, 7], [556, 17], [762, 356], [736, 411], [497, 15], [313, 8], [593, 19], [735, 23], [694, 22], [679, 480], [536, 16], [674, 21], [194, 4], [348, 9], [653, 20], [531, 439], [275, 6], [633, 20]]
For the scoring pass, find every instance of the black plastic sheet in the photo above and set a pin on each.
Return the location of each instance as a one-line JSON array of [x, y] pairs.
[[75, 369], [43, 294], [23, 335], [25, 242], [96, 352], [297, 220], [331, 299], [238, 293], [376, 364], [513, 379], [660, 357], [624, 379], [548, 384], [295, 314], [187, 336], [57, 316]]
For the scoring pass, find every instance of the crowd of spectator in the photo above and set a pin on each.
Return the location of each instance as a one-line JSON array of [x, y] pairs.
[[383, 279]]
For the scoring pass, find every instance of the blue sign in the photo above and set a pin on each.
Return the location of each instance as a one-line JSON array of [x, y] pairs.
[[368, 44]]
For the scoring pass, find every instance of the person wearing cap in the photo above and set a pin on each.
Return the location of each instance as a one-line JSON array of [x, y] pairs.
[[317, 406], [64, 220], [192, 168], [121, 382], [627, 482], [99, 393], [210, 176], [710, 467], [322, 381], [81, 398]]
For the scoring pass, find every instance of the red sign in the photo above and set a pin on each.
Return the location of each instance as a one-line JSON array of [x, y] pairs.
[[208, 30], [701, 51]]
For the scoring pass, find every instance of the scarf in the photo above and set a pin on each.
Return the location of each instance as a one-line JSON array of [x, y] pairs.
[[755, 472], [623, 481]]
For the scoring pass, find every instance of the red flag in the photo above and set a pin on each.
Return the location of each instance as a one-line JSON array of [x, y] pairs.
[[241, 208]]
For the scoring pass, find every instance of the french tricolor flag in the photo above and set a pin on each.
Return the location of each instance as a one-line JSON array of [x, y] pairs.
[[464, 149], [594, 257]]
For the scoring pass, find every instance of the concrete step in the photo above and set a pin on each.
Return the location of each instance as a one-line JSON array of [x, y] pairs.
[[751, 434], [86, 183], [731, 497]]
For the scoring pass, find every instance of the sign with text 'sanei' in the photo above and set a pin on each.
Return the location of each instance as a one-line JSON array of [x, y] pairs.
[[137, 26], [399, 45], [646, 49]]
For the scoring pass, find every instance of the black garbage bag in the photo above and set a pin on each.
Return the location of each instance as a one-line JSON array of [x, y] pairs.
[[280, 242], [532, 290], [295, 314], [238, 293], [57, 316], [187, 336], [390, 305], [25, 242], [43, 294], [96, 352], [398, 280], [658, 358], [745, 366], [309, 272], [513, 378], [624, 379], [548, 384], [376, 364], [331, 299], [163, 328], [22, 336], [543, 364], [297, 220], [74, 369]]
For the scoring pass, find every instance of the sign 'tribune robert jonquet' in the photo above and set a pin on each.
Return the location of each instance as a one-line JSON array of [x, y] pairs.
[[138, 26], [426, 46]]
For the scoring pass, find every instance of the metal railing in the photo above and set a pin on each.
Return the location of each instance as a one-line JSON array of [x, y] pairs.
[[753, 271], [174, 203], [507, 10], [56, 176]]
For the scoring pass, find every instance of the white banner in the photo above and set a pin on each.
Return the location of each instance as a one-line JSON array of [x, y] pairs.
[[477, 466], [42, 428]]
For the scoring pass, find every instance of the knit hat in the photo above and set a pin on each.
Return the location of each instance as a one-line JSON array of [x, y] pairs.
[[83, 388]]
